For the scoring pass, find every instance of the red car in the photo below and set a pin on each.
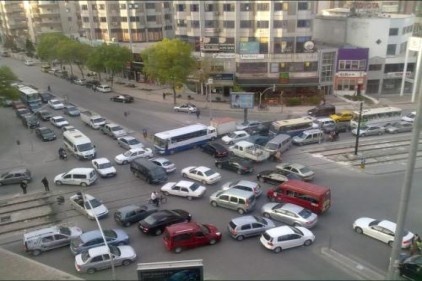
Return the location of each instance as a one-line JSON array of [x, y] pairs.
[[180, 236]]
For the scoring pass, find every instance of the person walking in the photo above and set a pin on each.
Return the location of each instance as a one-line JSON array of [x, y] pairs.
[[164, 96], [45, 183], [145, 133], [49, 88], [154, 198], [198, 112], [24, 186]]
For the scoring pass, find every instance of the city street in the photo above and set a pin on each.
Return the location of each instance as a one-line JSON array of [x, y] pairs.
[[355, 193]]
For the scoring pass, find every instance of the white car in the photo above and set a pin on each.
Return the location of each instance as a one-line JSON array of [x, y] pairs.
[[183, 188], [104, 167], [59, 121], [409, 117], [103, 88], [382, 230], [56, 104], [165, 164], [235, 136], [80, 81], [29, 62], [129, 142], [132, 154], [285, 237], [188, 107], [249, 124], [202, 174], [98, 258], [88, 205]]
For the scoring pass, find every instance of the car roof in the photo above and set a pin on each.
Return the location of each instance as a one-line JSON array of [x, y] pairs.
[[18, 170], [388, 224], [160, 159], [128, 208], [184, 183], [98, 251], [281, 230], [182, 227], [246, 183], [240, 132], [101, 160], [202, 168], [127, 138], [244, 219], [137, 149], [291, 207], [89, 235]]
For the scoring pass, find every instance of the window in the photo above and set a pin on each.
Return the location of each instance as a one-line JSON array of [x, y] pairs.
[[103, 19], [326, 73], [84, 7], [209, 8], [391, 49], [101, 7], [362, 65], [123, 6], [262, 7], [85, 19], [228, 24], [94, 6], [394, 31], [151, 18], [303, 23], [246, 7], [302, 6], [134, 19], [194, 8], [246, 24], [181, 23], [284, 66], [328, 58], [123, 19], [281, 6], [150, 6], [194, 24], [284, 45], [280, 24], [180, 8], [211, 24], [228, 7], [300, 42], [403, 47], [262, 24]]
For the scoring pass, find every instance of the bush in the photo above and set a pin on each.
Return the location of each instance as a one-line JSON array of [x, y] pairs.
[[315, 100], [293, 101]]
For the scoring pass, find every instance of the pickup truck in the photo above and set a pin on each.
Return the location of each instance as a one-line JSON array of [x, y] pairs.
[[80, 203], [92, 119], [250, 151]]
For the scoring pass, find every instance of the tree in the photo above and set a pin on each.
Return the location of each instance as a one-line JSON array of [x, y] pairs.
[[48, 45], [95, 61], [82, 53], [116, 58], [6, 78], [203, 72], [169, 62], [29, 48]]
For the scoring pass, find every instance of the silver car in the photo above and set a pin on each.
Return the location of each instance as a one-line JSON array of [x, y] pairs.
[[399, 127], [369, 131], [248, 226], [290, 214], [165, 164], [129, 142], [250, 186]]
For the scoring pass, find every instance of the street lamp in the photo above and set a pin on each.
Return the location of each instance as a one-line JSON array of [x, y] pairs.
[[358, 129], [263, 92], [210, 82]]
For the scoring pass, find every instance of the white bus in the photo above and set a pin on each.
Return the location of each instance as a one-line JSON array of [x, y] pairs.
[[29, 96], [183, 138], [292, 127], [381, 116], [79, 145]]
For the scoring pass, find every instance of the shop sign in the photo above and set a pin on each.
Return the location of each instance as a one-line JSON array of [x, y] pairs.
[[224, 56], [223, 77], [252, 56], [350, 74], [249, 48]]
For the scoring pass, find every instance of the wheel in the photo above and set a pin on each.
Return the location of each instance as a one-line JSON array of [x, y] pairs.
[[240, 238], [219, 166], [126, 224], [158, 232], [184, 175], [239, 171], [241, 211], [36, 252], [261, 179], [124, 162], [58, 183], [390, 243], [126, 262], [358, 230], [189, 198], [83, 184], [91, 270], [214, 204], [177, 250], [307, 242], [213, 241], [267, 215], [277, 250]]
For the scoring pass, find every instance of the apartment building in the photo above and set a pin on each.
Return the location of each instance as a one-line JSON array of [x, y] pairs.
[[13, 21]]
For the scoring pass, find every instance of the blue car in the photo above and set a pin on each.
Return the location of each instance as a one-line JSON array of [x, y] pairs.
[[91, 239]]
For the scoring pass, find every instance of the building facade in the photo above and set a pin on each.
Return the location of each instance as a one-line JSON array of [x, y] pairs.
[[13, 22]]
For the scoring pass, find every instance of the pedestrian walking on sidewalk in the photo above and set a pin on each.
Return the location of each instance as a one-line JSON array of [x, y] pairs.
[[164, 96], [145, 133], [24, 186], [45, 183], [49, 88], [198, 112]]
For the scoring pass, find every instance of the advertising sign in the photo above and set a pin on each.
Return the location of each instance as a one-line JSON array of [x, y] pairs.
[[242, 100], [249, 48], [171, 271]]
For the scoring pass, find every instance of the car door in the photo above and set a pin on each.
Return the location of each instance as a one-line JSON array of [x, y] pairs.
[[293, 240], [233, 202], [199, 239], [375, 232], [175, 190], [60, 240], [68, 179], [280, 215], [223, 201], [199, 176], [47, 242], [386, 235], [185, 192], [246, 230], [257, 228], [10, 178], [96, 262]]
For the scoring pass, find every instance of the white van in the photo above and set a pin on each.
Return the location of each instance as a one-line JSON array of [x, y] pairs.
[[308, 137], [77, 176], [78, 144], [280, 142]]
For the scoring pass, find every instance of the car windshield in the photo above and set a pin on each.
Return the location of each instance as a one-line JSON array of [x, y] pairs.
[[260, 220], [209, 173], [194, 186], [304, 170], [85, 147], [295, 230], [117, 128], [45, 113], [305, 213], [302, 135], [85, 256], [64, 230], [45, 131], [105, 165], [98, 120], [128, 153], [60, 120], [151, 220], [56, 102], [272, 146], [166, 163], [115, 250], [110, 233], [4, 175], [72, 108], [204, 229], [133, 142], [94, 203]]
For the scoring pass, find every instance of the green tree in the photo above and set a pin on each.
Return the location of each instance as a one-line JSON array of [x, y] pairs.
[[47, 45], [82, 53], [67, 52], [95, 61], [169, 62], [6, 78], [29, 48], [115, 59]]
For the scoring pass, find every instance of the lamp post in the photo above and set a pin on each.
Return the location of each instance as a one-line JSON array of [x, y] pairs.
[[210, 83], [358, 129], [263, 92]]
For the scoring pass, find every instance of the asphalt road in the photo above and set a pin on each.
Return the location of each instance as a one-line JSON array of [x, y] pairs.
[[354, 194]]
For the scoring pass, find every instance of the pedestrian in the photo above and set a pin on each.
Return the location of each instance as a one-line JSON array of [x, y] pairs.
[[24, 186], [414, 247], [45, 183], [94, 88], [49, 88], [198, 112], [125, 113], [154, 198], [164, 96], [145, 133]]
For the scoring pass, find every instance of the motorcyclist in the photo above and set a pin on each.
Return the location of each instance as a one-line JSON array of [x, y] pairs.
[[62, 153]]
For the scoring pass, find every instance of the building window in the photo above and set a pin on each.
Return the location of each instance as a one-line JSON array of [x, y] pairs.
[[246, 7], [281, 6], [263, 45], [85, 19], [94, 6], [375, 67], [228, 24], [403, 47], [303, 23], [393, 32], [302, 6], [391, 49], [211, 24], [101, 7], [284, 66], [280, 24], [194, 7], [181, 23], [284, 45], [150, 6], [262, 7], [246, 24], [123, 6], [310, 66], [84, 7], [228, 7], [168, 27], [362, 65], [151, 18], [194, 24], [103, 19], [180, 8], [262, 24], [166, 5], [229, 40], [168, 16], [134, 19], [326, 73], [328, 58], [300, 42], [209, 8]]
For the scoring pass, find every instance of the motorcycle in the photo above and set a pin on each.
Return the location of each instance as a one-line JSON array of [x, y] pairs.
[[333, 137], [62, 154]]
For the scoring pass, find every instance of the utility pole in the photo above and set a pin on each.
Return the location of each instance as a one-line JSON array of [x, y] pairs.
[[358, 129]]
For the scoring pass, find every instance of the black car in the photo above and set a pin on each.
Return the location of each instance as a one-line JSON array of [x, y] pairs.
[[44, 115], [262, 129], [215, 149], [92, 83], [276, 176], [411, 267], [30, 121], [122, 98], [46, 134], [46, 96], [34, 107], [22, 111], [130, 214], [157, 222], [236, 164]]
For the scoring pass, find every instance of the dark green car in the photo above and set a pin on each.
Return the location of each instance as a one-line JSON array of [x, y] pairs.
[[45, 134]]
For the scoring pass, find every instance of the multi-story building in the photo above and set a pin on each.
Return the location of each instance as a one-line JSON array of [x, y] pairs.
[[13, 21]]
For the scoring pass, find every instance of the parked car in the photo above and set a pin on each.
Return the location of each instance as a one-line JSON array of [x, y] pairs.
[[22, 111], [259, 140], [128, 215], [300, 170], [45, 134], [188, 107], [15, 176], [291, 214], [55, 104], [29, 62], [71, 110], [247, 226], [44, 115], [202, 174], [35, 107], [164, 163], [285, 237], [46, 96], [409, 117], [103, 88], [157, 222], [236, 164], [80, 81], [215, 149], [249, 125], [58, 121], [88, 205], [245, 185], [275, 176], [94, 238], [92, 83], [134, 153], [113, 130], [369, 131], [104, 167], [235, 136], [188, 235], [30, 121], [98, 258], [123, 98], [129, 142], [411, 268], [399, 127], [383, 230], [184, 188]]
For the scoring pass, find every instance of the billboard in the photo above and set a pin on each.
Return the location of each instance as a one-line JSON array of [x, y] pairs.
[[242, 100], [171, 271], [249, 48]]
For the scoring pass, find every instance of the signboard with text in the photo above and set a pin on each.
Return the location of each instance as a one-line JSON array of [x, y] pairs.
[[242, 100], [249, 48]]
